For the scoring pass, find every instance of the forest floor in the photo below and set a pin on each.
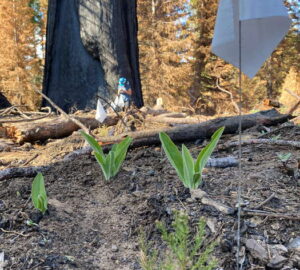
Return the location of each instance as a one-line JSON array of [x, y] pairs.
[[96, 225]]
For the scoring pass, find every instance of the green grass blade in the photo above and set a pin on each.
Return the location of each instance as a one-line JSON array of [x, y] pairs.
[[172, 153], [93, 143], [188, 166], [38, 193], [207, 150]]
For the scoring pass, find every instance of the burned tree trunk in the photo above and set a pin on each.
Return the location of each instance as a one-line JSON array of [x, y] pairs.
[[90, 43]]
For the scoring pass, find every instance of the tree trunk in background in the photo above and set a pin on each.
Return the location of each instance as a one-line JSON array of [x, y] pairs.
[[90, 44]]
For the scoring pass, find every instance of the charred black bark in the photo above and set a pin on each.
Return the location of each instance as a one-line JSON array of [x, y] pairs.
[[90, 44]]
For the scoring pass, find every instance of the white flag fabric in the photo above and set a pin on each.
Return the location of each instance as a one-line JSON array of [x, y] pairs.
[[263, 23], [100, 112]]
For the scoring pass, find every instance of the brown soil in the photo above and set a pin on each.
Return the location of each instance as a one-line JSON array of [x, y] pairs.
[[95, 225]]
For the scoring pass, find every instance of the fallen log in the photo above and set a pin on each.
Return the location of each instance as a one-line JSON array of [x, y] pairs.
[[202, 130], [51, 128], [174, 120]]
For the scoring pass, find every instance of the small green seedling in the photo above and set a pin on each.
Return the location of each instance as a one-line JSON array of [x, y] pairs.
[[112, 162], [38, 193], [275, 138], [284, 157], [30, 223], [189, 171], [185, 249]]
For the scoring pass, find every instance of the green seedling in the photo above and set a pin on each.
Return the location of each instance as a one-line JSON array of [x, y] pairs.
[[30, 223], [284, 157], [275, 138], [189, 170], [185, 250], [38, 193], [112, 162]]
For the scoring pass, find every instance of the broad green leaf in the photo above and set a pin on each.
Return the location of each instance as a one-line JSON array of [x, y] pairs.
[[93, 143], [38, 193], [111, 164], [207, 150], [196, 180], [103, 164], [188, 166], [120, 152], [172, 153]]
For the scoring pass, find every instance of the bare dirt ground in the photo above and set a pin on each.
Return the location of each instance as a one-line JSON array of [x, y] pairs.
[[96, 225]]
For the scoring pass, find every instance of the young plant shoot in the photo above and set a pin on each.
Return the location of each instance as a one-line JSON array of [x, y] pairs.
[[189, 170], [38, 193], [112, 162], [185, 249]]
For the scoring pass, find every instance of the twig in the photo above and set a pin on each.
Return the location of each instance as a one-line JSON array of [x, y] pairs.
[[295, 144], [77, 122], [28, 119], [228, 93], [297, 104], [292, 94], [254, 212], [275, 131], [265, 201], [16, 233], [29, 160]]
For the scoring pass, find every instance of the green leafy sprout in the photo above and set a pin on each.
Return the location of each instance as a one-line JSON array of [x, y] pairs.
[[112, 162], [189, 170], [185, 250], [38, 193], [284, 157]]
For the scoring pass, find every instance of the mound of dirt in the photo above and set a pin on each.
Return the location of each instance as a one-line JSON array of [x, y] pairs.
[[96, 225]]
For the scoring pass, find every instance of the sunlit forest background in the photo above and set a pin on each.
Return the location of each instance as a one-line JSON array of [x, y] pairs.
[[175, 59]]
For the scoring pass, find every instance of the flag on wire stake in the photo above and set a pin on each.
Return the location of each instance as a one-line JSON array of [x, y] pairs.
[[264, 24], [246, 34]]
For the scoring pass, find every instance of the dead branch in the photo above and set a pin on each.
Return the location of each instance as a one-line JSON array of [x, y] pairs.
[[52, 128], [297, 104], [202, 130], [77, 122], [252, 212], [22, 172], [236, 107], [28, 119], [265, 201], [294, 144]]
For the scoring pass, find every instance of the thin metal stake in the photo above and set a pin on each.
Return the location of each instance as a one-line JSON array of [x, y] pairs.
[[238, 237]]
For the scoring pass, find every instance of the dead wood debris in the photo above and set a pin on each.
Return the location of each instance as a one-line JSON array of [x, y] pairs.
[[294, 144]]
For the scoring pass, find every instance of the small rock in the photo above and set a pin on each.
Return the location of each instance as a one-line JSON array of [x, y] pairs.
[[211, 224], [151, 173], [275, 226], [88, 173], [277, 262], [26, 146], [294, 245], [277, 249], [257, 250], [114, 248], [197, 194], [296, 259]]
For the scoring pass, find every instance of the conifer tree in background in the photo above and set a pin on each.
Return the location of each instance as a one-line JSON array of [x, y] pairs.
[[20, 64], [163, 46], [207, 68]]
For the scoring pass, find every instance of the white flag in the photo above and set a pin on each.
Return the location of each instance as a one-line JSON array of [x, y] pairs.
[[100, 112], [263, 23]]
